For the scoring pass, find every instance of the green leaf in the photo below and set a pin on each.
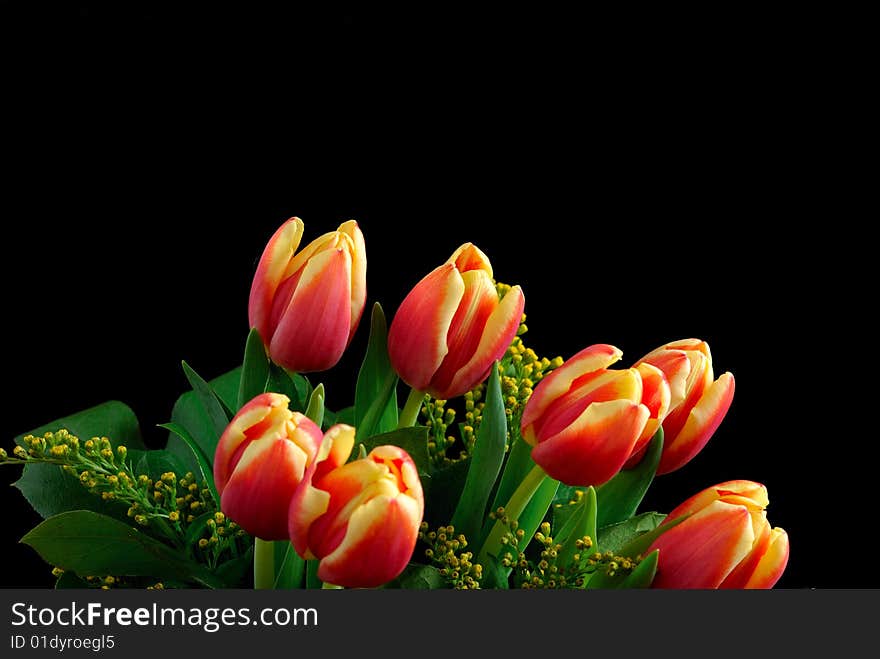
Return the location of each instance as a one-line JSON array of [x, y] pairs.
[[495, 575], [418, 577], [412, 440], [375, 396], [254, 370], [196, 529], [293, 385], [620, 497], [641, 577], [614, 536], [443, 490], [156, 463], [203, 461], [237, 572], [189, 413], [49, 490], [486, 459], [291, 568], [88, 543], [70, 580], [315, 409], [312, 580], [345, 415], [519, 463], [640, 544], [536, 509], [216, 410], [582, 523]]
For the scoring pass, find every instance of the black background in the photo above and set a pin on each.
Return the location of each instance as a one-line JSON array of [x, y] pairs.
[[642, 185]]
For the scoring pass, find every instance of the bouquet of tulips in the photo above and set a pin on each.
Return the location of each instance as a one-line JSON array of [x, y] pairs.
[[502, 469]]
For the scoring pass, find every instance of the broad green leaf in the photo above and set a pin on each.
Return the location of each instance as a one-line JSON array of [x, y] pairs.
[[312, 580], [641, 543], [412, 440], [254, 369], [70, 580], [375, 397], [519, 463], [345, 415], [486, 459], [291, 569], [615, 536], [49, 490], [237, 572], [293, 385], [156, 463], [203, 462], [443, 489], [641, 577], [88, 543], [216, 410], [189, 413], [418, 577], [495, 575], [536, 510], [582, 523], [620, 497]]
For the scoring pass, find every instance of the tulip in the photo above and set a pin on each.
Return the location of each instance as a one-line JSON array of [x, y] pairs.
[[259, 462], [726, 542], [452, 326], [307, 305], [584, 420], [698, 401], [361, 519]]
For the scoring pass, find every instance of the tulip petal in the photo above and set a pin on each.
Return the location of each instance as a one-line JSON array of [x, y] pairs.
[[358, 272], [746, 493], [417, 337], [595, 446], [480, 299], [702, 421], [259, 491], [701, 551], [772, 563], [469, 257], [379, 541], [313, 331], [598, 386], [309, 502], [496, 338], [588, 360], [270, 272], [655, 396]]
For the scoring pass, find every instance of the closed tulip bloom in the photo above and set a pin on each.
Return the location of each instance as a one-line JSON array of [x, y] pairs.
[[260, 460], [726, 542], [306, 305], [698, 401], [452, 326], [360, 519], [584, 420]]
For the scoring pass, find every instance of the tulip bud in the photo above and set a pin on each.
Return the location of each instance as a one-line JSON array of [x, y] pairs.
[[260, 459], [726, 542], [584, 420], [698, 402], [307, 305], [361, 519], [452, 327]]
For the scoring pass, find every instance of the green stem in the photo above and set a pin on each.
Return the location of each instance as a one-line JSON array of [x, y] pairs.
[[264, 564], [330, 586], [514, 508], [410, 413]]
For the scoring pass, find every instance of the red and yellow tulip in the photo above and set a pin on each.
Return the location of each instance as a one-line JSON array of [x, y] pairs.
[[726, 542], [451, 327], [584, 420], [259, 462], [698, 401], [306, 305], [361, 519]]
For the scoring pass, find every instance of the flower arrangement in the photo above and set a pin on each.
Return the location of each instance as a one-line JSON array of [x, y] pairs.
[[502, 469]]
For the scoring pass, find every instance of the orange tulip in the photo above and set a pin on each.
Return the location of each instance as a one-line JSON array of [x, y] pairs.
[[361, 519], [259, 461], [698, 401], [307, 305], [452, 326], [584, 420], [726, 542]]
